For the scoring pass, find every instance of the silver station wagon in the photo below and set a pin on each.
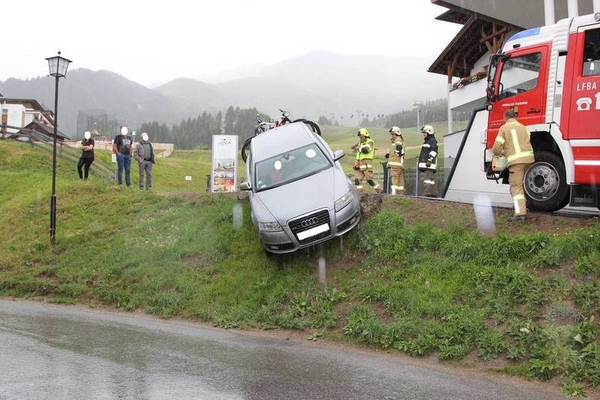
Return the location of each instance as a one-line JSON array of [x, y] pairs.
[[299, 193]]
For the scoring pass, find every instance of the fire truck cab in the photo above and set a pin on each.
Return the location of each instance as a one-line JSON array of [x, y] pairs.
[[551, 77]]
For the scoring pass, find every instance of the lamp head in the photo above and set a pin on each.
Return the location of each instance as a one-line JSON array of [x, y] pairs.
[[58, 66]]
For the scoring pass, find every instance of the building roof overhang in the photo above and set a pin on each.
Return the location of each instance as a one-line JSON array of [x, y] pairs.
[[47, 130], [480, 34]]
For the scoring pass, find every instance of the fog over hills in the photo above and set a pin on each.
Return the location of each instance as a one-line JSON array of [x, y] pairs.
[[315, 84]]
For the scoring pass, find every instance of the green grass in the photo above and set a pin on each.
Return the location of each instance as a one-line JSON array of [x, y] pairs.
[[530, 300]]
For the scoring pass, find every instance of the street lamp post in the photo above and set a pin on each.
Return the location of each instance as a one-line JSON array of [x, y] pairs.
[[57, 66], [418, 104]]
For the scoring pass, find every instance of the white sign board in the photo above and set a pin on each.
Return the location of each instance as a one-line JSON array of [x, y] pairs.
[[223, 173]]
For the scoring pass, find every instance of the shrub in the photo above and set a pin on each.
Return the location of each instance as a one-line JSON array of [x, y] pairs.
[[490, 344], [588, 265], [587, 297], [364, 325]]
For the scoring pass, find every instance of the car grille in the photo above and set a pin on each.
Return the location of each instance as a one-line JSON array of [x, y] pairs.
[[308, 222]]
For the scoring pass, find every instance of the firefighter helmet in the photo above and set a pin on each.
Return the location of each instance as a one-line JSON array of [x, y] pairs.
[[428, 129], [363, 132], [394, 130]]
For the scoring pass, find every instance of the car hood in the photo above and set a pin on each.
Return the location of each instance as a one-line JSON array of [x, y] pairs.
[[305, 195]]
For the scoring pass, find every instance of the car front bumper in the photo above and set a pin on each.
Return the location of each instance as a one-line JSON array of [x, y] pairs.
[[294, 236]]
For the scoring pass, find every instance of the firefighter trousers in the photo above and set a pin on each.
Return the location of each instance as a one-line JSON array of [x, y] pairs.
[[397, 180], [516, 174], [430, 188], [366, 173]]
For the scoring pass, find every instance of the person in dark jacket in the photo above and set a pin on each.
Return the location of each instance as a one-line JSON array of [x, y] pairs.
[[123, 148], [87, 155], [428, 160], [144, 155]]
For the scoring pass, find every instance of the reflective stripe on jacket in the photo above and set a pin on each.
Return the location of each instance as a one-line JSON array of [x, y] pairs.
[[370, 146], [396, 160], [365, 165], [513, 142]]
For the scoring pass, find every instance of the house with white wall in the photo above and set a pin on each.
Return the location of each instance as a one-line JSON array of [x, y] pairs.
[[25, 116]]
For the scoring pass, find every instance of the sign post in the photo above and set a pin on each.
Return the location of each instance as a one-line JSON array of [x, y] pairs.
[[224, 163]]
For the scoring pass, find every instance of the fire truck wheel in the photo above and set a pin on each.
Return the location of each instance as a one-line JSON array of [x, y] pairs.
[[546, 186]]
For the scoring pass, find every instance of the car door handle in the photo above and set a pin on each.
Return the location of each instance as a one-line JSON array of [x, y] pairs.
[[533, 111]]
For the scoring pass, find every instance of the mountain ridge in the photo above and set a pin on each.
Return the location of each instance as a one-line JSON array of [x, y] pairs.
[[314, 84]]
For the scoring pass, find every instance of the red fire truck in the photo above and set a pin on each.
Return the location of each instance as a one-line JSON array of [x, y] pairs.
[[551, 77]]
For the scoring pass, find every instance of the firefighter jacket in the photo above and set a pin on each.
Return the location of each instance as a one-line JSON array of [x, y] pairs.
[[366, 150], [428, 154], [513, 142], [396, 154]]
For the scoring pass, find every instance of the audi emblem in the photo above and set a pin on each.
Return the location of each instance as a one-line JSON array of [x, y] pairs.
[[308, 222]]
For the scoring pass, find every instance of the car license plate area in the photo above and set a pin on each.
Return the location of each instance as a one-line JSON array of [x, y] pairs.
[[312, 227], [312, 232]]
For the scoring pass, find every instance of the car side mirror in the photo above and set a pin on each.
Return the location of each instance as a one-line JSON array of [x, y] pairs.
[[338, 154], [245, 186]]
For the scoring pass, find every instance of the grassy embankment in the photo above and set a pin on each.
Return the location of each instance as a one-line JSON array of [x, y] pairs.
[[528, 301]]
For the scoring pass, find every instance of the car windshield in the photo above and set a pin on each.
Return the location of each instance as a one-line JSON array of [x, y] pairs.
[[290, 166]]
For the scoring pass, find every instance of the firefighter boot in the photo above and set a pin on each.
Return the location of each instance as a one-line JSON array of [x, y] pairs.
[[375, 186]]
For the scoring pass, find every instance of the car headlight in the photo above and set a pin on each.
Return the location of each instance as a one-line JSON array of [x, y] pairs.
[[269, 226], [343, 201]]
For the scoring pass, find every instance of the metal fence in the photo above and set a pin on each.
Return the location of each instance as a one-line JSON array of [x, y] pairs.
[[72, 154], [413, 179]]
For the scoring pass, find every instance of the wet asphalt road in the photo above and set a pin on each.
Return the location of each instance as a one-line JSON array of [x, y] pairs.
[[58, 352]]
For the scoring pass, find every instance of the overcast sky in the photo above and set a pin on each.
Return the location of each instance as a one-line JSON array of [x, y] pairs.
[[149, 41]]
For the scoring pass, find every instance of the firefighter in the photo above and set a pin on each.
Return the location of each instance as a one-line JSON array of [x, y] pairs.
[[396, 161], [363, 166], [513, 143], [428, 160]]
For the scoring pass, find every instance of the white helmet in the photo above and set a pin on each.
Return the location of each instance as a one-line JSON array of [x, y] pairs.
[[87, 135], [124, 130], [145, 137], [428, 129], [395, 130]]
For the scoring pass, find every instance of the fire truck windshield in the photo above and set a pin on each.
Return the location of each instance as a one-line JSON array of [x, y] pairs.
[[491, 75], [519, 74]]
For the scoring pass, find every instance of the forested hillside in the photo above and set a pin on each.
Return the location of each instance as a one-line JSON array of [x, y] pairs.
[[197, 132], [345, 89]]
